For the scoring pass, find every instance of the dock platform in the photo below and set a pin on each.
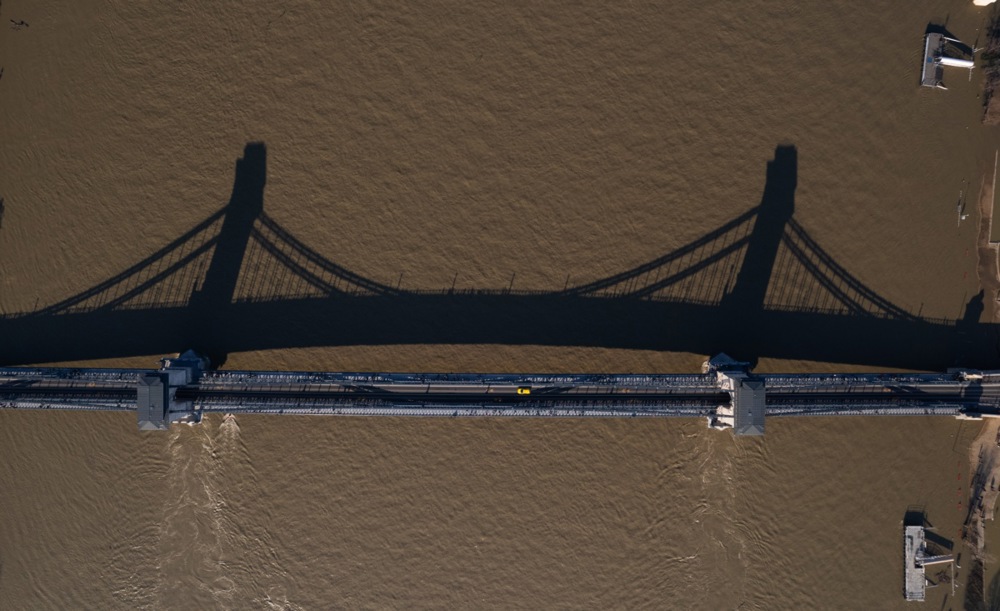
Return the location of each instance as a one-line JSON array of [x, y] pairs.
[[933, 72], [915, 561], [914, 580]]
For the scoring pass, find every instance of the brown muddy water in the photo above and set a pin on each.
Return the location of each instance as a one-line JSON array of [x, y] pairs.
[[518, 151]]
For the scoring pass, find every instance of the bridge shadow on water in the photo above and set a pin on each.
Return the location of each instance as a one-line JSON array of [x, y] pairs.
[[758, 286]]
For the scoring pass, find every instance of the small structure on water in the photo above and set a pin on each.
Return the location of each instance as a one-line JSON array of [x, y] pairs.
[[915, 559], [938, 53]]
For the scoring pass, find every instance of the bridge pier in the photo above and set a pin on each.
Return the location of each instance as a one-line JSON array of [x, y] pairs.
[[747, 397], [157, 404]]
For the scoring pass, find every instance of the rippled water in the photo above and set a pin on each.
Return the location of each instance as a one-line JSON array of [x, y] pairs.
[[486, 148]]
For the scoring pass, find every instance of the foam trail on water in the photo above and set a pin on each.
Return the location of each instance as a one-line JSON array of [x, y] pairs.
[[248, 570], [192, 529]]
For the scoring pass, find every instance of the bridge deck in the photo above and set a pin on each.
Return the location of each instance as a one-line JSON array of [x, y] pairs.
[[503, 395]]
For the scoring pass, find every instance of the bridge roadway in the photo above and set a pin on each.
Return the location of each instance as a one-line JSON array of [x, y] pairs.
[[451, 395]]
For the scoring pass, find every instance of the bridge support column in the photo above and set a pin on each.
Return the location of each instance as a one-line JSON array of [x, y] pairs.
[[747, 397], [157, 402]]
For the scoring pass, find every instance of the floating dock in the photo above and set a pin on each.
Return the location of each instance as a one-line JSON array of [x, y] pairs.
[[936, 58], [915, 559], [933, 72]]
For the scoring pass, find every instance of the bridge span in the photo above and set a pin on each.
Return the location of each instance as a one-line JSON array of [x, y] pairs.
[[727, 394]]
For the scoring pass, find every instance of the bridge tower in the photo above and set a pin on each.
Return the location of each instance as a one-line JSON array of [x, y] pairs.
[[157, 404], [747, 397]]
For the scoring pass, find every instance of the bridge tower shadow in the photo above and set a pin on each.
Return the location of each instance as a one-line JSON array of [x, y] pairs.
[[212, 302], [742, 307]]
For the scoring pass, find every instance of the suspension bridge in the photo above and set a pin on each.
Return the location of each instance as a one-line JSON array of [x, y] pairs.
[[759, 285], [727, 395]]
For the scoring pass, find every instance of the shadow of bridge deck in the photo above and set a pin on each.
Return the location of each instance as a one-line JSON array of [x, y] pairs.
[[758, 286]]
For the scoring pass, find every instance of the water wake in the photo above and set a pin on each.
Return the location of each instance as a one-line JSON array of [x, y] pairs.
[[215, 545]]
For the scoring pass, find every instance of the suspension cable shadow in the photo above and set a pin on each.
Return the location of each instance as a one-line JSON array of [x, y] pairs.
[[757, 286]]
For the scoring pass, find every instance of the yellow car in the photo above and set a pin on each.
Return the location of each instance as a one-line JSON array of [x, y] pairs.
[[524, 390]]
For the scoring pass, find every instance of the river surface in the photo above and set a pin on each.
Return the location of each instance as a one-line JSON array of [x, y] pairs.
[[514, 150]]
